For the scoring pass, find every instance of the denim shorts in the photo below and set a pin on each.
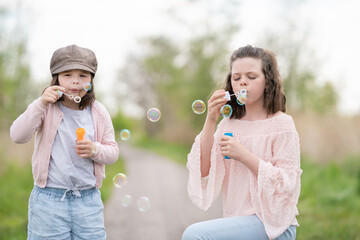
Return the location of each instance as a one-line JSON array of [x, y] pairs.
[[233, 228], [72, 217]]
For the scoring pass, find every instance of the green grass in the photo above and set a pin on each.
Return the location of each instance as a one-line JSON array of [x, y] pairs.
[[329, 203], [111, 171], [16, 183]]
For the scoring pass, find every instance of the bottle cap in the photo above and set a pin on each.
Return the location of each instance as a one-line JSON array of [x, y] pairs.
[[227, 96]]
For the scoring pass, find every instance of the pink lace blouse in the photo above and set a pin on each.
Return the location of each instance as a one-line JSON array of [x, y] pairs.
[[273, 194]]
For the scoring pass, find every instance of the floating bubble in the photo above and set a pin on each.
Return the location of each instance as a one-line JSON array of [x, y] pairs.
[[87, 86], [143, 204], [241, 100], [125, 134], [126, 200], [198, 107], [242, 97], [226, 110], [119, 180], [153, 114]]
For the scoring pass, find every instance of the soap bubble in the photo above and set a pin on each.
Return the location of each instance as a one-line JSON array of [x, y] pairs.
[[241, 100], [242, 97], [198, 107], [143, 204], [119, 180], [87, 86], [226, 110], [125, 134], [126, 200], [153, 114]]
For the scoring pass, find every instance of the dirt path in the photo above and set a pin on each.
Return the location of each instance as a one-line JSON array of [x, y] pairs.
[[165, 183]]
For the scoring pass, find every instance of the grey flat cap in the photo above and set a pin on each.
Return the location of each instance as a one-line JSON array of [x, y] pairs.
[[73, 57]]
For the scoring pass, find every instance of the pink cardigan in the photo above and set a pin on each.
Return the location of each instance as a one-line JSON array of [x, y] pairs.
[[273, 194], [44, 121]]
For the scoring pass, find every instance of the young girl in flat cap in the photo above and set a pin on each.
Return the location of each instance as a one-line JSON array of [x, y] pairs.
[[65, 202]]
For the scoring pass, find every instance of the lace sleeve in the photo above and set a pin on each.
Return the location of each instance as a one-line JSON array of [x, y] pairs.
[[278, 184], [203, 191]]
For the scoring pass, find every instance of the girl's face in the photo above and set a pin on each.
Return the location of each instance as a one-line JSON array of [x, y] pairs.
[[73, 81], [247, 74]]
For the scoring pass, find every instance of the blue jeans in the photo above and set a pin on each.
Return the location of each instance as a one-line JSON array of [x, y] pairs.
[[233, 228], [73, 218]]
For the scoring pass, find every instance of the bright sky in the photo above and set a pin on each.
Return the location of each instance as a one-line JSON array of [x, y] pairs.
[[112, 28]]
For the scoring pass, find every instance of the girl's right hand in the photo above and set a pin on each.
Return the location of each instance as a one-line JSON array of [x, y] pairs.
[[215, 104], [51, 95]]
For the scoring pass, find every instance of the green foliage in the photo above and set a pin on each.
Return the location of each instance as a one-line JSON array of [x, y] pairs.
[[111, 171], [305, 94], [14, 74], [120, 121], [328, 203], [177, 85], [16, 184]]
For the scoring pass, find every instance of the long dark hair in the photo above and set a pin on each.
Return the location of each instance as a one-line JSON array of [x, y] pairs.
[[86, 100], [274, 96]]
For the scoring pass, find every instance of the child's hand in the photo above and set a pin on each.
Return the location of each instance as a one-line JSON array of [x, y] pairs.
[[50, 95], [230, 147], [84, 148], [215, 103]]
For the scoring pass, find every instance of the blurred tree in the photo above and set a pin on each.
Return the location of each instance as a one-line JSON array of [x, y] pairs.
[[298, 70], [171, 75], [171, 80], [14, 71], [299, 65]]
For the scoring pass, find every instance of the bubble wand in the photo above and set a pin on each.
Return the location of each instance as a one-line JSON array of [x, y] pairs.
[[76, 99], [241, 97], [87, 87]]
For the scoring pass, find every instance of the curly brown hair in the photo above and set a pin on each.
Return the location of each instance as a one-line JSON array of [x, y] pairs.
[[274, 96], [86, 100]]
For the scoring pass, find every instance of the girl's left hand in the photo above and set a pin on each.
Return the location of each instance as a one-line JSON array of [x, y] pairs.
[[84, 148], [230, 147]]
